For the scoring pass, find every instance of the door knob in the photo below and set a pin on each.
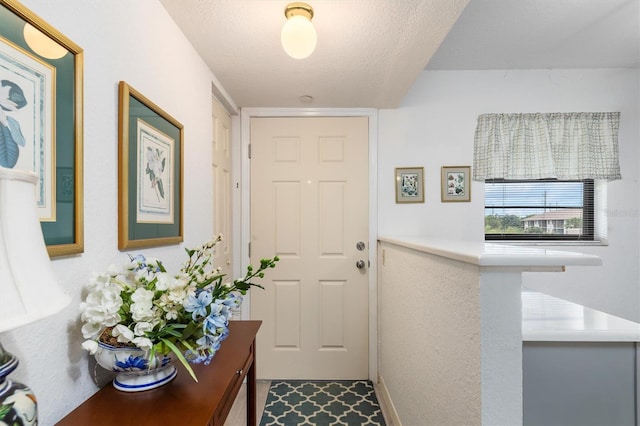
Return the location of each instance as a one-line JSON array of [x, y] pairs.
[[360, 264]]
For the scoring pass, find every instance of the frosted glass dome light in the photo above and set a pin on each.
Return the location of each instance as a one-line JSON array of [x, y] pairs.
[[298, 34], [42, 44]]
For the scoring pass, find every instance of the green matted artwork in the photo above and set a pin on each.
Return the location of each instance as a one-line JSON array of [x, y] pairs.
[[41, 90], [150, 173]]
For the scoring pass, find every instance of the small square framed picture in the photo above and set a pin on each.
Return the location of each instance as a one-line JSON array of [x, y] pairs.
[[456, 183], [409, 185]]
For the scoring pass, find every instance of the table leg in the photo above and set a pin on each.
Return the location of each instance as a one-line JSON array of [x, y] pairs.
[[251, 389]]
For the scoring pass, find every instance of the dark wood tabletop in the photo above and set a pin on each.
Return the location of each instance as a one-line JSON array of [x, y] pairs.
[[183, 401]]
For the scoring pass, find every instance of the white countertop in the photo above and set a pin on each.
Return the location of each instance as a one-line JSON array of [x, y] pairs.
[[548, 319], [494, 255]]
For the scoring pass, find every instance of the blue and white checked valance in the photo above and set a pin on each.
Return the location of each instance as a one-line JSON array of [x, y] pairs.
[[564, 146]]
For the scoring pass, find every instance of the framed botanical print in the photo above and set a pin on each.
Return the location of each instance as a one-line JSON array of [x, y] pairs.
[[41, 119], [150, 173], [455, 183], [409, 185]]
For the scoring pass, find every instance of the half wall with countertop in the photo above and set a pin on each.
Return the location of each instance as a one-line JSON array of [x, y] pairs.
[[450, 336]]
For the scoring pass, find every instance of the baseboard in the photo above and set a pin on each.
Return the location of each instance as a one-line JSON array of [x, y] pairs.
[[386, 404]]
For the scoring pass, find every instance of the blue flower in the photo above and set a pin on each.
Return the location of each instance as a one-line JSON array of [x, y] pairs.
[[139, 260], [195, 357], [197, 305], [206, 342], [215, 320], [223, 335], [232, 300]]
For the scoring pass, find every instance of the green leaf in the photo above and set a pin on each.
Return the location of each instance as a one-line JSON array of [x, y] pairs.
[[4, 409], [188, 331], [181, 357]]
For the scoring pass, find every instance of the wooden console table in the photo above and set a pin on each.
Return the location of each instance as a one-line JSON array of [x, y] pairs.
[[183, 401]]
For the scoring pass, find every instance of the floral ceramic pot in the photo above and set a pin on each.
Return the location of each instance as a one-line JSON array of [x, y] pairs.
[[18, 404], [136, 372]]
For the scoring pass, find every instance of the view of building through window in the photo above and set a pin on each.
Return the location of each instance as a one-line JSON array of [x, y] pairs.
[[538, 209]]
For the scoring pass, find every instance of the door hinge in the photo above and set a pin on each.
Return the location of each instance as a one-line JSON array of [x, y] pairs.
[[249, 250], [249, 150]]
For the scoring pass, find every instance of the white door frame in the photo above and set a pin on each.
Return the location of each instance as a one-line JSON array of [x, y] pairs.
[[245, 122]]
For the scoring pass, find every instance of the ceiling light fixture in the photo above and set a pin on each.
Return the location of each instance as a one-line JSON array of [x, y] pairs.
[[298, 35], [42, 44]]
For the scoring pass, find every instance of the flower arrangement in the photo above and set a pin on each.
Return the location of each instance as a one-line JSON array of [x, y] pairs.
[[140, 304]]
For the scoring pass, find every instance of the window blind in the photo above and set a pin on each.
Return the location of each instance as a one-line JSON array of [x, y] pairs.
[[546, 209]]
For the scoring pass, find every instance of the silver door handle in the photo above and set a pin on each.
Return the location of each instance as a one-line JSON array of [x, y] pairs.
[[360, 264]]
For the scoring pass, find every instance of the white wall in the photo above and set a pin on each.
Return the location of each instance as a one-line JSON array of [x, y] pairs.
[[430, 341], [435, 126], [134, 41]]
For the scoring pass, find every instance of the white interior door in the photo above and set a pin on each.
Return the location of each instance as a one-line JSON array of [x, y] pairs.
[[309, 205], [222, 187]]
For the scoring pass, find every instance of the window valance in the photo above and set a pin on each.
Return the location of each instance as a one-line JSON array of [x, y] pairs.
[[566, 146]]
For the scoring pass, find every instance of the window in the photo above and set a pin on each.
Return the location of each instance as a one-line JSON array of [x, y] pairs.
[[544, 210]]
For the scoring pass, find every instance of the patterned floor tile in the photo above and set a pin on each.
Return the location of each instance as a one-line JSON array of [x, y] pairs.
[[325, 403]]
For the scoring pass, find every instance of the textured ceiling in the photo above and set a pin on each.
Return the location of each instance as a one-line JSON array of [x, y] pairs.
[[370, 52]]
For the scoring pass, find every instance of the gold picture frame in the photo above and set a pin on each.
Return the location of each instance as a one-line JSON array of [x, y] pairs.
[[409, 185], [150, 173], [51, 121], [455, 184]]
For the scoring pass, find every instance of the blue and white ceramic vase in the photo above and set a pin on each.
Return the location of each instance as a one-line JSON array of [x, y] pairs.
[[136, 371], [18, 404]]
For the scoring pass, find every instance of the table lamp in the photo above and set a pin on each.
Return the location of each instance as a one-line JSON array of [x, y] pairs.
[[28, 289]]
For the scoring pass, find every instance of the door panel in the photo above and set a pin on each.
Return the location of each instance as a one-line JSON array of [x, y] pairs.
[[309, 205], [221, 161]]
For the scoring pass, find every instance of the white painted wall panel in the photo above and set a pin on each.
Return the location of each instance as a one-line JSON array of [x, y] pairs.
[[435, 125], [139, 43]]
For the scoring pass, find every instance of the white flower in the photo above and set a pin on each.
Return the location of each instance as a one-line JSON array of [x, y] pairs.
[[141, 328], [178, 295], [171, 313], [142, 296], [164, 281], [90, 345], [143, 343], [144, 275], [123, 333], [153, 262], [180, 282], [91, 330], [100, 308], [142, 307], [98, 281]]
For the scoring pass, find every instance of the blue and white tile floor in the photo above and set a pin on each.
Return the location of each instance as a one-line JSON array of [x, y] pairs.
[[340, 402]]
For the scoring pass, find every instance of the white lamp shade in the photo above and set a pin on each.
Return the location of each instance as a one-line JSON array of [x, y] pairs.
[[298, 37], [28, 289]]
